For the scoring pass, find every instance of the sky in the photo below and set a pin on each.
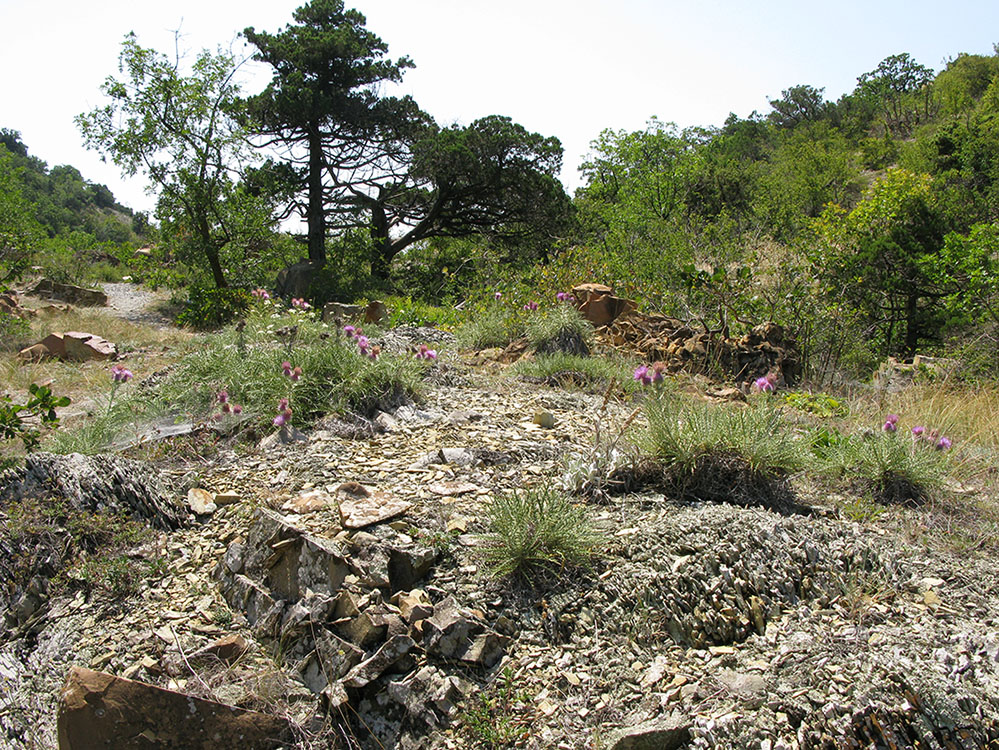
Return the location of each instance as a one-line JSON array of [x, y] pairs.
[[561, 68]]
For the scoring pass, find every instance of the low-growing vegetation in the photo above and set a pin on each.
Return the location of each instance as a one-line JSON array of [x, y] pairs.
[[538, 531]]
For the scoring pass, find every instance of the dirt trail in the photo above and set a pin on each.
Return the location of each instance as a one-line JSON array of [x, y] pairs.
[[136, 304]]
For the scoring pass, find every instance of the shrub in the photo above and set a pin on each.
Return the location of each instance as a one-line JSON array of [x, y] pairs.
[[537, 530], [14, 332], [212, 308], [893, 468], [248, 366], [572, 369], [722, 453], [493, 326], [561, 329]]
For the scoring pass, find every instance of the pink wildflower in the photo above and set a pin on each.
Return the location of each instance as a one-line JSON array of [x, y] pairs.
[[120, 374], [295, 374], [349, 330], [237, 409], [943, 444], [280, 419], [223, 397], [531, 306], [282, 404], [765, 384], [918, 431], [498, 295], [286, 368]]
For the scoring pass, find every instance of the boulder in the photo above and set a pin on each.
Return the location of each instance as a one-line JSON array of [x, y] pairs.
[[99, 710], [296, 279], [375, 312], [338, 311], [598, 304], [380, 662], [98, 483], [34, 353], [660, 734], [75, 295]]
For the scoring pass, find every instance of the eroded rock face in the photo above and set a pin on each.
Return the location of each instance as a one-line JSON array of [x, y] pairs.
[[99, 710], [348, 619], [97, 483], [75, 295], [598, 304]]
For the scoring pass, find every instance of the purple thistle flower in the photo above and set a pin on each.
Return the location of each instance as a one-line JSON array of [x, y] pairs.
[[349, 330], [237, 409], [431, 354], [893, 418], [286, 368], [120, 374], [642, 375], [282, 404], [295, 374], [531, 306], [918, 430], [223, 397], [889, 426], [226, 408], [498, 295], [764, 384], [280, 419], [943, 444]]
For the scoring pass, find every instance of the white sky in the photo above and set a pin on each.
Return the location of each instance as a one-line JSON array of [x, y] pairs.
[[568, 69]]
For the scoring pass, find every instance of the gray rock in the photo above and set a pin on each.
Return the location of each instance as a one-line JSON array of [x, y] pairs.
[[662, 734], [372, 668], [97, 483]]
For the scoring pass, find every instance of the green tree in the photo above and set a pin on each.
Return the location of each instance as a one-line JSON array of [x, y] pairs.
[[182, 131], [797, 105], [876, 257], [19, 231], [491, 178], [901, 88], [322, 106]]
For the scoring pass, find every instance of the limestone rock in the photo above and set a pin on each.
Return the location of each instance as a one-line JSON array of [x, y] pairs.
[[99, 710], [200, 502], [75, 295], [99, 483], [338, 311], [372, 668], [375, 312], [666, 734]]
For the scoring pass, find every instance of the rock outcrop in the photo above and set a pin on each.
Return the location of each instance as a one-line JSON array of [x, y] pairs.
[[99, 710]]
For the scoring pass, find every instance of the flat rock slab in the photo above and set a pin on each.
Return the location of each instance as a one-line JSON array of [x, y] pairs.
[[359, 511], [68, 293], [99, 710]]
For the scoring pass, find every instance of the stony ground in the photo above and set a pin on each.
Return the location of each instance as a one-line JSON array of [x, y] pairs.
[[745, 627]]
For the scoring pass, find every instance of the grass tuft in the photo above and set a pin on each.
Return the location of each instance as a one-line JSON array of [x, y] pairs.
[[536, 531], [561, 329]]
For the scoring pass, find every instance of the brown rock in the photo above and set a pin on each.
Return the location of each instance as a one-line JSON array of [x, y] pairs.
[[55, 343], [200, 501], [227, 649], [34, 353], [334, 311], [667, 734], [375, 312], [598, 304], [86, 346], [98, 710]]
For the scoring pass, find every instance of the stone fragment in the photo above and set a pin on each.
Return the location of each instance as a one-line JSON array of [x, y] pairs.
[[544, 419], [455, 634], [226, 649], [372, 668], [338, 311], [285, 435], [660, 734], [363, 630], [227, 498], [99, 710], [34, 353], [359, 512], [407, 565], [375, 312], [486, 649], [429, 695], [751, 689], [329, 660], [452, 489], [308, 502], [83, 347], [413, 605], [200, 501]]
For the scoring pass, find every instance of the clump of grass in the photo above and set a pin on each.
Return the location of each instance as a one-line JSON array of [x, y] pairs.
[[536, 531], [893, 468], [561, 329], [492, 327], [335, 376], [573, 369], [722, 453]]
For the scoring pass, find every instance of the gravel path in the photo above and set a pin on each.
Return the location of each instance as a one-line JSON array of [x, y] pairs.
[[136, 304]]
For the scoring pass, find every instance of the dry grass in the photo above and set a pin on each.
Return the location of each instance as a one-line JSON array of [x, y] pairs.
[[144, 349]]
